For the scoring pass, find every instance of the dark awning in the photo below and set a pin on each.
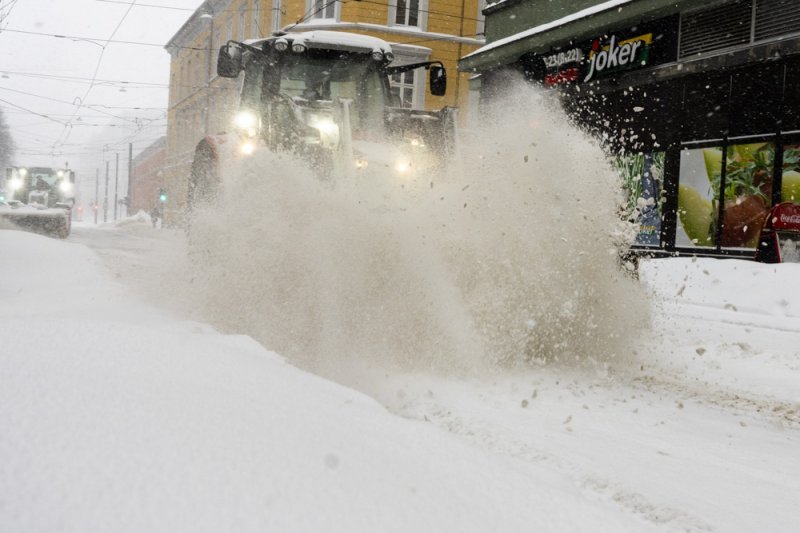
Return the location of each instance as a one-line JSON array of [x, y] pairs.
[[581, 24]]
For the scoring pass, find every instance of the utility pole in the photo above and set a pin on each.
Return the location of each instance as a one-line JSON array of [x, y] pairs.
[[116, 187], [96, 191], [105, 198], [129, 196]]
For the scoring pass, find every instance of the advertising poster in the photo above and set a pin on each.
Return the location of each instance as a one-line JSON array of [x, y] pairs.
[[745, 198], [642, 176], [790, 182]]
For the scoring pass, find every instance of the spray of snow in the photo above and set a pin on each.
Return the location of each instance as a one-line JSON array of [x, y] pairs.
[[510, 257]]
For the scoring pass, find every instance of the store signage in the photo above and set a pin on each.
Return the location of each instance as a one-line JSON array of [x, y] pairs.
[[555, 63], [574, 55], [618, 55]]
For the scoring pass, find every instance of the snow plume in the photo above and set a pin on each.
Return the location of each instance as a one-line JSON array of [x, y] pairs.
[[508, 258]]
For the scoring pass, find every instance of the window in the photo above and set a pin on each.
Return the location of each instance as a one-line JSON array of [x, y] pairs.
[[255, 28], [408, 13], [642, 178], [744, 191], [275, 16], [402, 88], [322, 9], [408, 88], [179, 85], [242, 22], [480, 26]]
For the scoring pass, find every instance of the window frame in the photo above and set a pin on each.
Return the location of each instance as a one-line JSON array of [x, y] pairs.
[[319, 17], [422, 16], [406, 54]]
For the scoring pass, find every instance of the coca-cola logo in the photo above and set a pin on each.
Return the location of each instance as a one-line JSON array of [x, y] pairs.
[[790, 219]]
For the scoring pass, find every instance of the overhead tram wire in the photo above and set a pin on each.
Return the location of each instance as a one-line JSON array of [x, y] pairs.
[[306, 15], [68, 128], [33, 112], [79, 79], [56, 100]]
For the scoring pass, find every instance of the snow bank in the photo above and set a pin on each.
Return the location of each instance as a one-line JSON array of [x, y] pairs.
[[117, 417]]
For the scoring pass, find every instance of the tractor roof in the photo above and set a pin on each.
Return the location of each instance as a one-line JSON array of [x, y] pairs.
[[330, 40]]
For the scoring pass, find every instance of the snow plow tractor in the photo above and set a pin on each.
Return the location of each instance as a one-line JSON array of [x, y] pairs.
[[38, 199], [325, 96]]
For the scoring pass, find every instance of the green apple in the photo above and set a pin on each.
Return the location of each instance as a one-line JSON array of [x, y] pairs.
[[790, 189], [745, 151], [713, 160], [695, 213]]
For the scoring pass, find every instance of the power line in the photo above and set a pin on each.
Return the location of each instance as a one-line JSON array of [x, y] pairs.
[[79, 79], [57, 101], [146, 5], [96, 40], [67, 130], [33, 112]]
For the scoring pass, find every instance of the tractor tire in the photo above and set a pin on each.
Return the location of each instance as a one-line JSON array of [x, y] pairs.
[[204, 182]]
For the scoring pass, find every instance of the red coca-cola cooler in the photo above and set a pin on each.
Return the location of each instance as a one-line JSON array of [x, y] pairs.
[[780, 235]]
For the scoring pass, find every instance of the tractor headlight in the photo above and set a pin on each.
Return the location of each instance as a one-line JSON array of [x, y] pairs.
[[23, 172], [402, 166], [248, 147], [247, 123], [327, 128], [281, 45], [15, 184], [65, 186]]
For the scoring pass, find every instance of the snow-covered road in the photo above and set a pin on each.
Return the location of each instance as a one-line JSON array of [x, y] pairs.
[[122, 414]]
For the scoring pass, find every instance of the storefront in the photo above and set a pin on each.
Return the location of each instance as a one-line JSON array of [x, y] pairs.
[[700, 109]]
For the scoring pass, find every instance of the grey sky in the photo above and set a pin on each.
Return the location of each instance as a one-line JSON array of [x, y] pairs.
[[43, 78]]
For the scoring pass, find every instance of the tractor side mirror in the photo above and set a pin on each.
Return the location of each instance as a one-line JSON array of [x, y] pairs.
[[229, 62], [438, 80]]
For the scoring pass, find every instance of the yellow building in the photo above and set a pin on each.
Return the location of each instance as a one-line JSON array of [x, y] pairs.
[[201, 103]]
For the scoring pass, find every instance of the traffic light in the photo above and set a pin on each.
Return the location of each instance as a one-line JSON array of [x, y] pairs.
[[162, 196]]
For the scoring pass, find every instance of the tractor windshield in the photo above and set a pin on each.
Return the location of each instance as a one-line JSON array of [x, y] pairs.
[[319, 78]]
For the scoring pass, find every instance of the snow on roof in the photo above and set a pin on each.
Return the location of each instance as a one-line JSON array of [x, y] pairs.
[[333, 39], [583, 13]]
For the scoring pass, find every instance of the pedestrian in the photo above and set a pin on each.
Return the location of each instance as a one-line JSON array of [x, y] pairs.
[[155, 215]]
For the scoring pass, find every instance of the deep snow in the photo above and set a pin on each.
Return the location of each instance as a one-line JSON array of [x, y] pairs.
[[120, 415]]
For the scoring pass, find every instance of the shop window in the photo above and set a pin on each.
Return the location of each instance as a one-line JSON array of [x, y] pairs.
[[643, 178], [744, 192], [790, 177], [747, 195]]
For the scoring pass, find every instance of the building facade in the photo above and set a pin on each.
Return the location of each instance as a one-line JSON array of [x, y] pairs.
[[147, 177], [201, 103], [698, 102]]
